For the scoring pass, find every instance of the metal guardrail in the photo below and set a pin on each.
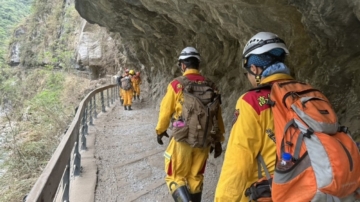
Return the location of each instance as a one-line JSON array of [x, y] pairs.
[[54, 182]]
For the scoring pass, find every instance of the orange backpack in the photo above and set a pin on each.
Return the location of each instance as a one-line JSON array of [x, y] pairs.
[[326, 159]]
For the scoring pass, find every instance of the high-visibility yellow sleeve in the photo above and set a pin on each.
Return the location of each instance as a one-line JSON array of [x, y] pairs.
[[239, 167], [167, 108]]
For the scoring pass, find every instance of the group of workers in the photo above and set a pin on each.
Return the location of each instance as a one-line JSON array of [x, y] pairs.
[[129, 84], [263, 63]]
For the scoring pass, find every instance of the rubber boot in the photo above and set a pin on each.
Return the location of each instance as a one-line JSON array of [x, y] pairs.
[[134, 97], [129, 108], [138, 97], [196, 197], [121, 101], [181, 194], [125, 108]]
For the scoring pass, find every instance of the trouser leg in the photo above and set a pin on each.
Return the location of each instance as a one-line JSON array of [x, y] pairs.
[[177, 164], [137, 89], [121, 97], [196, 176], [127, 98], [122, 94]]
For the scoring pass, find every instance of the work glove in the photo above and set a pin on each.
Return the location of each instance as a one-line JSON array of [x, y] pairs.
[[160, 136], [218, 149]]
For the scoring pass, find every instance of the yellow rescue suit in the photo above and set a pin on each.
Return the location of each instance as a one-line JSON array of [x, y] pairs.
[[184, 165], [247, 139], [136, 81], [126, 95]]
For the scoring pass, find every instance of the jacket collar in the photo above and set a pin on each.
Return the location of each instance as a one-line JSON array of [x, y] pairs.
[[276, 77], [191, 71]]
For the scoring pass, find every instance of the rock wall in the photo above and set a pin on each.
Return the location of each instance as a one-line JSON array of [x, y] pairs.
[[97, 51], [322, 36]]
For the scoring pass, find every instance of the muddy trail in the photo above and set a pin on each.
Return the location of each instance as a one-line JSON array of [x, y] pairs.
[[129, 160]]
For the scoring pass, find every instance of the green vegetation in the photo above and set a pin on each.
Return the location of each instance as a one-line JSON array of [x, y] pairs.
[[11, 13], [41, 94], [44, 101], [53, 44], [29, 143]]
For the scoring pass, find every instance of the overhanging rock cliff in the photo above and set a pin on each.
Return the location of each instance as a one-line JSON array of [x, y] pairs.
[[322, 35]]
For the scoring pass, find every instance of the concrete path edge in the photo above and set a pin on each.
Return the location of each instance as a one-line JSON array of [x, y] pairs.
[[82, 188]]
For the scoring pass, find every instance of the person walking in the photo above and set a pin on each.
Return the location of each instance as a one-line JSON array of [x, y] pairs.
[[136, 81], [306, 165], [192, 138], [248, 138], [127, 90]]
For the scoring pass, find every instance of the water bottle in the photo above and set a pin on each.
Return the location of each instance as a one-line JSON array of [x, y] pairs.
[[285, 163]]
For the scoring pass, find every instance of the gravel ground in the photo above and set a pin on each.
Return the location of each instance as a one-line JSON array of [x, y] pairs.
[[130, 161]]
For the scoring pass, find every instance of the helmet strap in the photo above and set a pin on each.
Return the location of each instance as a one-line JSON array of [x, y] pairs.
[[257, 76], [258, 79]]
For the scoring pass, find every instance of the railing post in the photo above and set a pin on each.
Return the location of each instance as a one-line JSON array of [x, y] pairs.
[[108, 98], [95, 113], [102, 101], [112, 95], [86, 119], [91, 110], [66, 182], [77, 160], [83, 131], [118, 92]]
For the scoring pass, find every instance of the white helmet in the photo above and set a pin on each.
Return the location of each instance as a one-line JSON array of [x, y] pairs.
[[263, 42], [189, 52]]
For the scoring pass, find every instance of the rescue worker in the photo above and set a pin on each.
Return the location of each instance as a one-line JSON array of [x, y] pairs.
[[136, 81], [263, 58], [126, 93], [184, 165], [120, 89]]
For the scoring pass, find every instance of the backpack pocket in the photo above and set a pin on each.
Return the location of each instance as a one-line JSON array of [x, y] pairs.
[[180, 133], [286, 183], [317, 113], [343, 164]]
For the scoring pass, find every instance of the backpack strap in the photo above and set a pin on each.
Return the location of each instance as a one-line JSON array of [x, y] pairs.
[[261, 163], [184, 81], [262, 86]]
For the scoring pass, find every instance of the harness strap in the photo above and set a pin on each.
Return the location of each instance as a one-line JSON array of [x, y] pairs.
[[261, 163], [298, 145]]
